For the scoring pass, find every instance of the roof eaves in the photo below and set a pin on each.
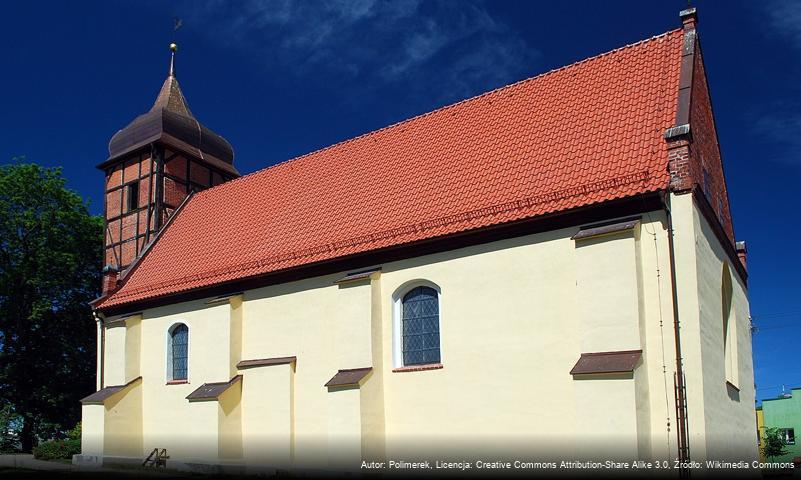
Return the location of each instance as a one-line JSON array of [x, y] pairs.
[[432, 223], [140, 300], [114, 158]]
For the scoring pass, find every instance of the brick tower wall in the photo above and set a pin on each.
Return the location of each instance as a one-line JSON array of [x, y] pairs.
[[132, 223]]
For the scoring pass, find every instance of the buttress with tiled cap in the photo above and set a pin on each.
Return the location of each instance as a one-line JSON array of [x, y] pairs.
[[584, 134]]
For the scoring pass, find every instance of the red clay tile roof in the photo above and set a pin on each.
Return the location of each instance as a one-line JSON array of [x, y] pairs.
[[583, 134]]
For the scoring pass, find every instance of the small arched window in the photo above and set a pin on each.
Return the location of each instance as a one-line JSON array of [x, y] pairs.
[[420, 326], [178, 352]]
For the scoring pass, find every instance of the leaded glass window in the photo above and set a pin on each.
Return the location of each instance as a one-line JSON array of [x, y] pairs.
[[420, 326], [180, 351]]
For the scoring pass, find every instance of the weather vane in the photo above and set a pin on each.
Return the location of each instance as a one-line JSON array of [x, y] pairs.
[[176, 24]]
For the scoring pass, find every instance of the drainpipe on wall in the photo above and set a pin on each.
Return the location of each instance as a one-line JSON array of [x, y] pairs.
[[101, 346], [680, 393]]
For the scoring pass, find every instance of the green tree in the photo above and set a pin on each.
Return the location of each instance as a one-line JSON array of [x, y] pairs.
[[9, 426], [50, 256], [774, 443]]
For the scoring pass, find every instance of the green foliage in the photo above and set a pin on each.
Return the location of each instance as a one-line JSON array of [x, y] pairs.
[[774, 443], [9, 430], [75, 433], [50, 261], [55, 449]]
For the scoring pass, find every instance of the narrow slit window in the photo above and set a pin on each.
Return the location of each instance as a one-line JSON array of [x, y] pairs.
[[731, 367], [133, 196]]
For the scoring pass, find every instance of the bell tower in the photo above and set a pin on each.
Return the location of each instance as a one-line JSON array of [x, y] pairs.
[[154, 163]]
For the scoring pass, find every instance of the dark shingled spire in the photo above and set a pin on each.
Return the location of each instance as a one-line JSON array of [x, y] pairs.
[[170, 96], [171, 122]]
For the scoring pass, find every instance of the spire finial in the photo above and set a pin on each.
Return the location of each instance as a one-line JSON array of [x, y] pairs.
[[173, 49]]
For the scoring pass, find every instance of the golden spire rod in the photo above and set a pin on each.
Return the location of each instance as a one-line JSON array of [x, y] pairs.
[[173, 49]]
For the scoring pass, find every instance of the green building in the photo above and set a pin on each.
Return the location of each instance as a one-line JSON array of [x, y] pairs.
[[785, 413]]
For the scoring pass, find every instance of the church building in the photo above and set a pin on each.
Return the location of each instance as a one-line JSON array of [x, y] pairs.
[[545, 271]]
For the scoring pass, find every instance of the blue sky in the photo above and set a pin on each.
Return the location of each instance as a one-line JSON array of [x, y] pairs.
[[280, 78]]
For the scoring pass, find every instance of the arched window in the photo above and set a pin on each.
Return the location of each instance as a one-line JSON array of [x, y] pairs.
[[178, 352], [420, 326]]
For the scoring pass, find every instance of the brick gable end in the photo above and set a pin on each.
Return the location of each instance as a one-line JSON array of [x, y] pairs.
[[694, 160]]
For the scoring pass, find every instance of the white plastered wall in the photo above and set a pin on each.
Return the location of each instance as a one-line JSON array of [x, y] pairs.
[[608, 296], [721, 414], [515, 316], [114, 364], [267, 416], [190, 431]]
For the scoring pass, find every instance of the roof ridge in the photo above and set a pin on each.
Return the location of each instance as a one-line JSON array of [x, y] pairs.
[[442, 108]]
